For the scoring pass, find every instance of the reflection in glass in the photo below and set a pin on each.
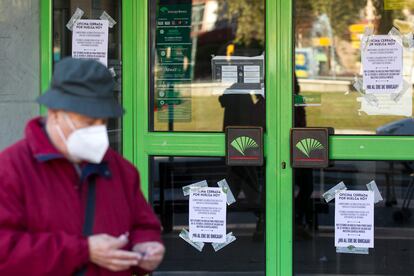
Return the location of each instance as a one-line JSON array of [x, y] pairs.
[[207, 64], [328, 58], [62, 45], [245, 217], [314, 249]]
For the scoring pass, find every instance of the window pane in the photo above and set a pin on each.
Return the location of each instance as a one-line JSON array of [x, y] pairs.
[[19, 67], [245, 217], [62, 45], [328, 59], [314, 249], [207, 64]]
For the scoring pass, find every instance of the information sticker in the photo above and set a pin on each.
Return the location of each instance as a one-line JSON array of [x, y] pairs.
[[354, 219], [382, 65], [207, 218], [397, 4], [90, 40]]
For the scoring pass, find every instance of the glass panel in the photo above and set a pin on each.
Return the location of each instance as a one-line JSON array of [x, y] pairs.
[[19, 67], [245, 217], [314, 250], [328, 58], [207, 64], [62, 45]]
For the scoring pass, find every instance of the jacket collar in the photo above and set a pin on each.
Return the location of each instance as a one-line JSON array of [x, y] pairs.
[[44, 151], [39, 143]]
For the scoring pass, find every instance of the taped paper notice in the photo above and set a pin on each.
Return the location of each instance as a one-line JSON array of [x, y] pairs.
[[112, 70], [368, 32], [353, 250], [90, 40], [207, 215], [372, 186], [229, 239], [386, 104], [382, 64], [330, 194], [406, 87], [408, 40], [186, 236], [226, 189], [75, 17], [396, 35], [354, 219], [106, 16], [369, 98], [358, 85], [194, 186]]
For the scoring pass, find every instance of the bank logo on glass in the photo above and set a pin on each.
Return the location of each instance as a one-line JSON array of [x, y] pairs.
[[164, 9], [308, 145], [242, 143]]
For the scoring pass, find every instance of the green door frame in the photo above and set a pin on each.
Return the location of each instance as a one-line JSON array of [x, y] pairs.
[[139, 144]]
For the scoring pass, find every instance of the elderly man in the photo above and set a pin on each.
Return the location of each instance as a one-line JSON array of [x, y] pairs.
[[68, 204]]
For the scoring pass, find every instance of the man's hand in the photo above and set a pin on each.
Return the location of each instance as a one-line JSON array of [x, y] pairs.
[[151, 253], [104, 250]]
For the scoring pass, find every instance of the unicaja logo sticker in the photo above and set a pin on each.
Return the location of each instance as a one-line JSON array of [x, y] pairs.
[[308, 145], [242, 143], [164, 9]]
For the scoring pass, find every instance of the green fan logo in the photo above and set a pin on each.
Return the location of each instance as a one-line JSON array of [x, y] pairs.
[[164, 9], [242, 143], [308, 145]]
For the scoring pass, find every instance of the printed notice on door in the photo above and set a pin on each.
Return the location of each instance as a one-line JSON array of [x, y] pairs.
[[90, 40], [354, 219], [382, 65], [207, 219]]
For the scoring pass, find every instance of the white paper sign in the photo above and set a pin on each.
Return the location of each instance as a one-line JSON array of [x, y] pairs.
[[387, 106], [354, 219], [90, 40], [382, 64], [207, 219]]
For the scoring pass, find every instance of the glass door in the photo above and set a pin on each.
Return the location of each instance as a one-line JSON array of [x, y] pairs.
[[206, 72], [336, 42], [210, 64]]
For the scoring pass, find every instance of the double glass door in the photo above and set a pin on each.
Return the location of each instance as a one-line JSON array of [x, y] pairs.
[[187, 69], [278, 65]]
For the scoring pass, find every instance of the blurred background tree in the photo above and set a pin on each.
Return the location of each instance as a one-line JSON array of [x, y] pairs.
[[249, 24], [341, 13], [248, 16]]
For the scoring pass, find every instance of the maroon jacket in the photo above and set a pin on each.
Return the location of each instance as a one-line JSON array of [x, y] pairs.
[[42, 206]]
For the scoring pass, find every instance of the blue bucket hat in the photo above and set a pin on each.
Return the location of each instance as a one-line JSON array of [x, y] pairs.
[[82, 86]]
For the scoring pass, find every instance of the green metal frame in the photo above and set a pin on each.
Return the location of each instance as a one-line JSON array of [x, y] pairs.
[[279, 116], [46, 47], [129, 81], [139, 144]]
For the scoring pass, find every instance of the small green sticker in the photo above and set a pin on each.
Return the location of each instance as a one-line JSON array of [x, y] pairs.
[[307, 100]]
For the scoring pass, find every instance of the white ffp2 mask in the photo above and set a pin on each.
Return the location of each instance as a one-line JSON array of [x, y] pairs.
[[87, 144]]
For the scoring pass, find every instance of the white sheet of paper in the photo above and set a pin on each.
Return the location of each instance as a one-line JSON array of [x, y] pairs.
[[382, 64], [354, 219], [386, 106], [207, 218], [90, 40]]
